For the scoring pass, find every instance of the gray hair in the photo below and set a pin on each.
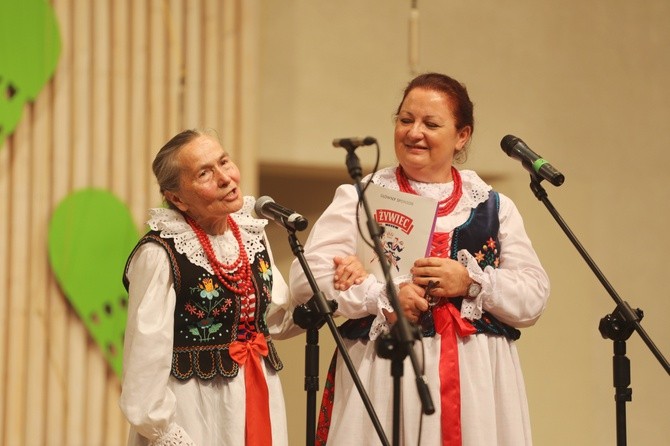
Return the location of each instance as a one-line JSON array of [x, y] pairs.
[[165, 167]]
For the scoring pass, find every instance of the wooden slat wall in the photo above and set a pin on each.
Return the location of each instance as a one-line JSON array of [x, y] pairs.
[[132, 73]]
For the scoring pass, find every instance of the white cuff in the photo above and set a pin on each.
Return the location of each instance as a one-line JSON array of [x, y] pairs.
[[472, 308], [380, 326], [175, 436]]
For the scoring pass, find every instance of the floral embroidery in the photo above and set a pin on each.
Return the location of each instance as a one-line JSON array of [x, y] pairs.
[[209, 290], [327, 401], [266, 270], [208, 303], [488, 255]]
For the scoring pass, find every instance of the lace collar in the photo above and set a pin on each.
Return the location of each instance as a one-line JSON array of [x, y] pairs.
[[171, 224], [475, 190]]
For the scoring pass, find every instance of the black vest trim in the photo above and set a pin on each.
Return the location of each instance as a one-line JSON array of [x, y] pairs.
[[207, 315]]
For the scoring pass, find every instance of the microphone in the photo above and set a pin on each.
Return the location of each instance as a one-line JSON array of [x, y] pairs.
[[267, 208], [352, 143], [532, 162]]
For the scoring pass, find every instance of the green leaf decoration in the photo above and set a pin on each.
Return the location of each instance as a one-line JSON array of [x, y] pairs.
[[91, 234], [29, 50]]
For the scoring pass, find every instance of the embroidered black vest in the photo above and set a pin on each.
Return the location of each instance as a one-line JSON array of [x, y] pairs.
[[207, 314], [479, 236]]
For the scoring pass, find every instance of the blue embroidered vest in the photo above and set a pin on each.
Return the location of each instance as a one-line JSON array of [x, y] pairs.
[[207, 315], [479, 236]]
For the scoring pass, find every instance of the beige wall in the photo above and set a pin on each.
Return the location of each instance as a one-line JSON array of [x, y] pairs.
[[584, 84]]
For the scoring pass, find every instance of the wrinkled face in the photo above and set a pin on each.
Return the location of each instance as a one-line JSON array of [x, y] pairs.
[[426, 137], [209, 183]]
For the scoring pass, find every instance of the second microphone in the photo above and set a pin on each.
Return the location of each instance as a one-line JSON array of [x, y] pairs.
[[266, 207]]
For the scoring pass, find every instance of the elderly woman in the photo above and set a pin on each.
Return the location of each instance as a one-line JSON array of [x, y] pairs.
[[200, 367], [485, 279]]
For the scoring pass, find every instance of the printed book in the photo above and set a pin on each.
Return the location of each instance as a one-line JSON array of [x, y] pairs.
[[407, 223]]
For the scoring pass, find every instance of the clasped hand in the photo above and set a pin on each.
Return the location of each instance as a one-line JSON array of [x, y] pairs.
[[449, 277], [348, 271]]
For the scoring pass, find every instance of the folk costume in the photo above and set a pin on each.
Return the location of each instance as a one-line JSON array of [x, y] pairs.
[[200, 367], [468, 346]]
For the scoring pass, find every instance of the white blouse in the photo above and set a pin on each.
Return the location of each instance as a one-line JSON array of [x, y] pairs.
[[493, 401], [161, 409]]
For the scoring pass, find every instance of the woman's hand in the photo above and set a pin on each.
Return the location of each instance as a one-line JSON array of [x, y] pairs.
[[451, 278], [412, 302], [348, 271]]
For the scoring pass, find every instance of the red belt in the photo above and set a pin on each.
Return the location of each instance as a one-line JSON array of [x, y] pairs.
[[449, 323]]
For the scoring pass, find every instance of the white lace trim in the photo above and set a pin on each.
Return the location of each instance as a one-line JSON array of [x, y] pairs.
[[475, 190], [175, 436], [172, 224], [472, 308], [380, 325]]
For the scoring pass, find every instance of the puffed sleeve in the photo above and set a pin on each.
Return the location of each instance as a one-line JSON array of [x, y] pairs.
[[146, 400], [335, 234], [279, 316], [517, 291]]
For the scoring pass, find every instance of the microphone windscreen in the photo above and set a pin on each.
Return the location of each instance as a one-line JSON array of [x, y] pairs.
[[508, 142], [260, 204]]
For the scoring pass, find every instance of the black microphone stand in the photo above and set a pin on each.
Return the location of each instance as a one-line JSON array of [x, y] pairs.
[[398, 344], [311, 321], [311, 316], [617, 326]]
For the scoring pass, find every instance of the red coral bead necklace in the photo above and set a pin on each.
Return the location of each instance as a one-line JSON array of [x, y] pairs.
[[445, 206], [236, 276]]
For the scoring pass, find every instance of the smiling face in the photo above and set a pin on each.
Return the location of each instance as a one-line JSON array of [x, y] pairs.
[[426, 137], [208, 184]]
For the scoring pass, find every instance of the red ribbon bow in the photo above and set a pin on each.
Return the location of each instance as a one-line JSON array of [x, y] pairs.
[[258, 431]]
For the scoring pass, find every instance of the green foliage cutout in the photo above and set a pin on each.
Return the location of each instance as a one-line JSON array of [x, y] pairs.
[[29, 50], [91, 234]]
